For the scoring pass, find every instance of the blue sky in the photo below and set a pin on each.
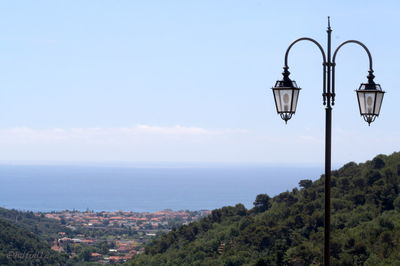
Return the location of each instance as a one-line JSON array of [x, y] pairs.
[[188, 81]]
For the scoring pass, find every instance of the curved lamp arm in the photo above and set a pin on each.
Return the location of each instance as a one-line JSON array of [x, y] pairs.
[[304, 39], [370, 71], [356, 42], [323, 58]]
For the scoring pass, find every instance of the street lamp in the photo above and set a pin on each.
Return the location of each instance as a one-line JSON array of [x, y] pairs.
[[286, 94], [369, 95]]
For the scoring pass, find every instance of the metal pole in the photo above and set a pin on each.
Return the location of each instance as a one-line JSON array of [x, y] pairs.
[[328, 152], [328, 140]]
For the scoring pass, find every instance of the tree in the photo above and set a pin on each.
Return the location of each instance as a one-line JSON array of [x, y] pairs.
[[262, 203], [373, 176], [85, 254], [305, 183], [396, 203], [378, 163]]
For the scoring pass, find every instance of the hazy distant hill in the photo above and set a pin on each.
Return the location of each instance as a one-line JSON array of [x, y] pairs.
[[288, 229]]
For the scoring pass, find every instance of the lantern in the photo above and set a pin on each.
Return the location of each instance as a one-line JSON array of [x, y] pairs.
[[370, 96], [286, 94]]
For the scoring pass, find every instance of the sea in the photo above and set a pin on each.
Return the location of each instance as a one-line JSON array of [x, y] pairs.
[[143, 188]]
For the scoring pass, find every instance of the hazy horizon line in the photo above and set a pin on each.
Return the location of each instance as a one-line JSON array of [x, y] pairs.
[[162, 164]]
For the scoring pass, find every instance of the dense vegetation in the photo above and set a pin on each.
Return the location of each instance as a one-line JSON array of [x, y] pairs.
[[47, 229], [288, 228], [21, 247]]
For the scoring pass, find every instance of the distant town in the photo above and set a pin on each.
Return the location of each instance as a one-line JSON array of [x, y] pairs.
[[113, 237]]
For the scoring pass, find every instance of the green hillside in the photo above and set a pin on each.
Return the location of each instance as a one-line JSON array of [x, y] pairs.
[[21, 247], [47, 229], [288, 229]]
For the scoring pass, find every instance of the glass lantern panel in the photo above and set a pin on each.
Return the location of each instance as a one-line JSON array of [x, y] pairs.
[[295, 99], [277, 100], [286, 100], [361, 101], [378, 104], [369, 102]]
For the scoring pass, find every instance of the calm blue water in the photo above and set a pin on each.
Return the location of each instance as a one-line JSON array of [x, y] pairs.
[[46, 188]]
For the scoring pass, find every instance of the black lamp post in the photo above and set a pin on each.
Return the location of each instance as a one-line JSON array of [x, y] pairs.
[[370, 96]]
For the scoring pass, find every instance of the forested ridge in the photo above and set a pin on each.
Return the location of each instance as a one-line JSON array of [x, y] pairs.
[[288, 228], [25, 238], [19, 246], [46, 229]]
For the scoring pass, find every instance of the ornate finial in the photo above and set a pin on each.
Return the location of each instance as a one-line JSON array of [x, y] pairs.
[[329, 23]]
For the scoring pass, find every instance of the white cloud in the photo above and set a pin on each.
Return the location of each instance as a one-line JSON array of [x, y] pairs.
[[137, 143], [30, 135], [182, 130], [184, 143]]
